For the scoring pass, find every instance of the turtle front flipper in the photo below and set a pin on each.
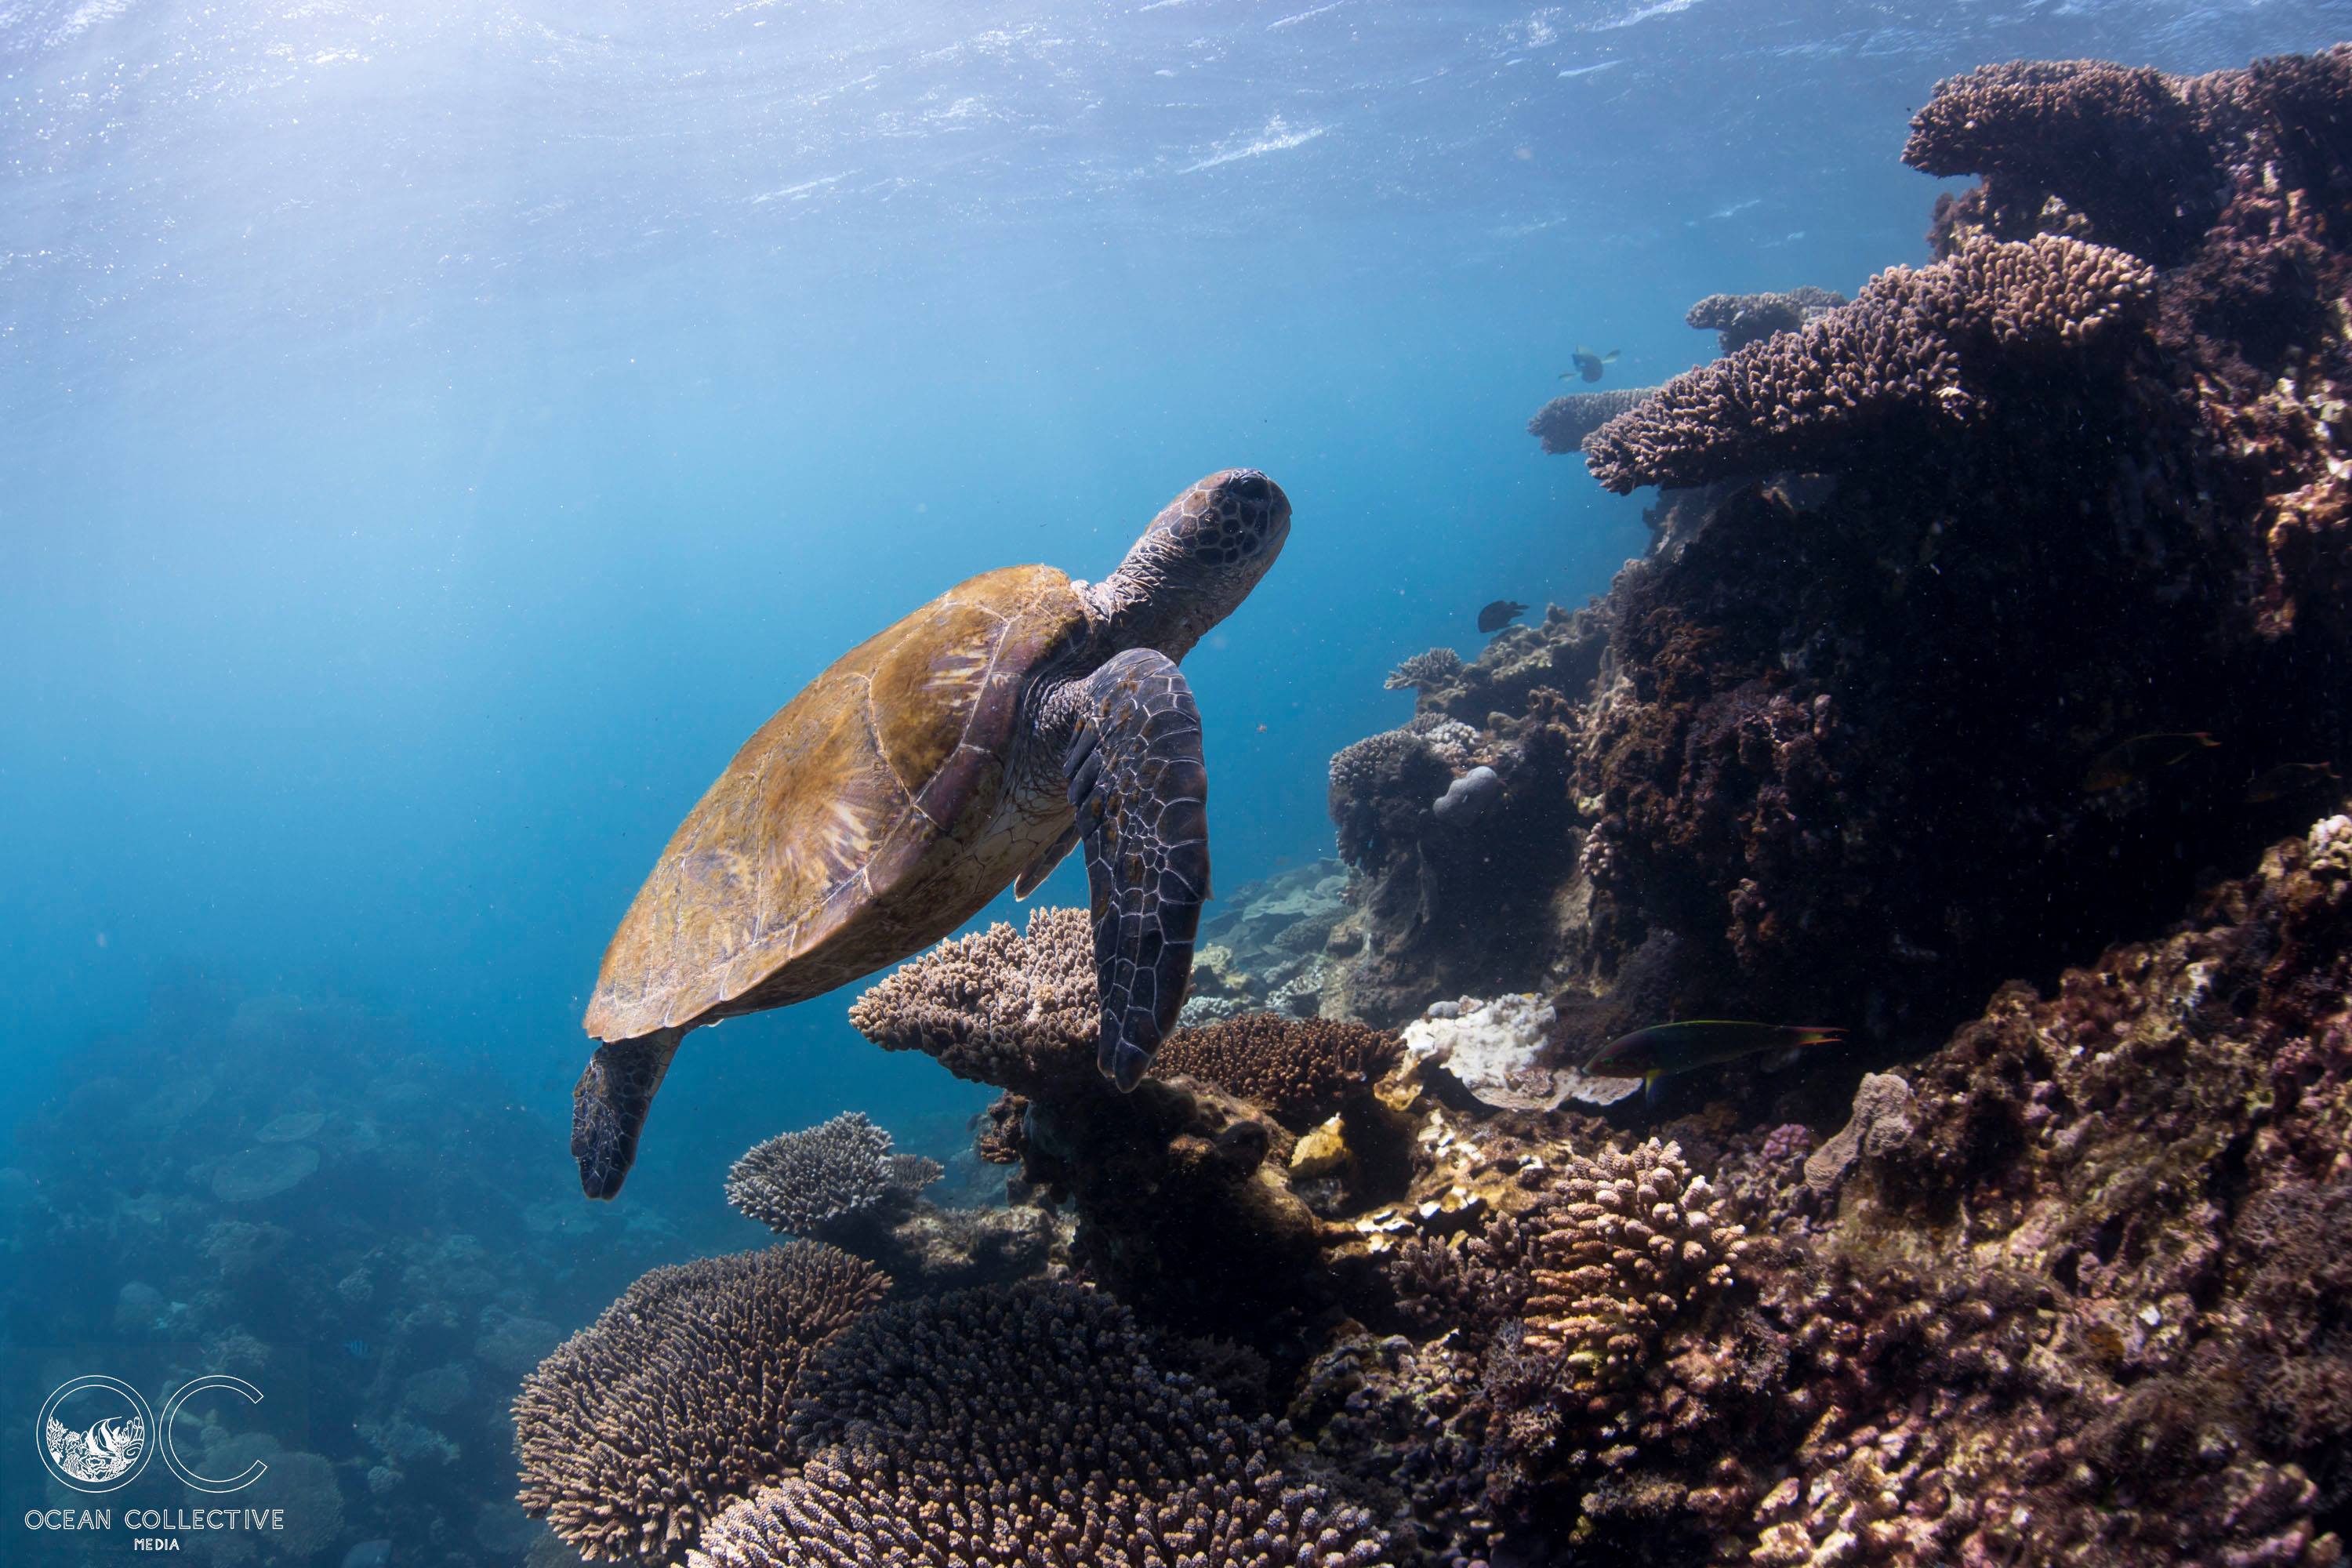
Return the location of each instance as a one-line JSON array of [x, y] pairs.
[[1141, 790], [609, 1105]]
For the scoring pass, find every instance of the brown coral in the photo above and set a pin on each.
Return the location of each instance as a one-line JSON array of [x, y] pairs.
[[1914, 346], [1739, 319], [811, 1182], [1017, 1010], [1005, 1428], [1562, 423], [641, 1429], [1301, 1070]]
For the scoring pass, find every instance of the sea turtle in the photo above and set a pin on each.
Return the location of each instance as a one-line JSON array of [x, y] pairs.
[[971, 745]]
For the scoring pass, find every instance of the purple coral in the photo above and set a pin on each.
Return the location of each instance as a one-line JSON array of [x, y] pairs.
[[1002, 1428], [1913, 350]]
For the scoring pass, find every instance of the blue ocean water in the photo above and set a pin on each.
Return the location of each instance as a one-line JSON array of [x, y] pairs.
[[437, 437]]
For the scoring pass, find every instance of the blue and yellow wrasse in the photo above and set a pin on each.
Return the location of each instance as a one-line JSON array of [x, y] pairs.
[[1664, 1049]]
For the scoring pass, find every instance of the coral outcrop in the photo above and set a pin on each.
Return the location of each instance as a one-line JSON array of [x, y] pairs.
[[670, 1408], [1563, 423], [826, 1179], [1015, 1009], [1029, 1425], [1739, 320], [1917, 350], [1302, 1071]]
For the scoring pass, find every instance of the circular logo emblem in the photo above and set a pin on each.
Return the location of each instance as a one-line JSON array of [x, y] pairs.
[[93, 1433]]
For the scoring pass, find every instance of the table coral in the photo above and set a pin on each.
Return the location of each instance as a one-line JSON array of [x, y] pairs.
[[1002, 1429], [641, 1429]]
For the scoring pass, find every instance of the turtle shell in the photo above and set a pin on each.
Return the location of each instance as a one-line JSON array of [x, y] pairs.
[[870, 818]]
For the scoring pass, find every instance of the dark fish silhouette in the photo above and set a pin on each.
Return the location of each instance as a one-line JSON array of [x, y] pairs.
[[1588, 363], [1664, 1049], [2288, 779], [1500, 613], [2128, 761]]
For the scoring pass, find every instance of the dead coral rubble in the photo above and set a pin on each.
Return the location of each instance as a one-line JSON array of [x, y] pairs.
[[1024, 1426], [669, 1408]]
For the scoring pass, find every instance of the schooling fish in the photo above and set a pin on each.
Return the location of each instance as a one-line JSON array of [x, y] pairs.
[[2128, 761], [1500, 613], [1664, 1049], [1588, 363], [2288, 779]]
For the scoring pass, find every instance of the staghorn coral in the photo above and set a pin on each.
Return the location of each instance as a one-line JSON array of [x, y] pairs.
[[822, 1179], [1017, 1010], [1008, 1427], [1739, 319], [1915, 349], [1563, 423], [1300, 1070], [641, 1429]]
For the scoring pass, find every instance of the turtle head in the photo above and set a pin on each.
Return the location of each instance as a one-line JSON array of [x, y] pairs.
[[1198, 559]]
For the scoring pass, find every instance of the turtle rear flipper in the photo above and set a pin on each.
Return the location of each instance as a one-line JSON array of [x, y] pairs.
[[609, 1106], [1140, 789]]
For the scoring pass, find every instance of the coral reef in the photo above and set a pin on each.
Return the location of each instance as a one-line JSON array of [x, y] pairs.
[[1028, 1425], [640, 1429], [1302, 1071], [1917, 349], [824, 1180], [1563, 423], [1017, 1010], [1739, 320]]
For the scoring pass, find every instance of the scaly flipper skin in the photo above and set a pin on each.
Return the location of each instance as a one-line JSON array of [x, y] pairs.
[[1140, 790], [609, 1106]]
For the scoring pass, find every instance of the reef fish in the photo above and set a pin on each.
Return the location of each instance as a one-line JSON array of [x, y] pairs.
[[1500, 613], [2286, 780], [1664, 1049], [1588, 363], [2127, 760], [356, 1349]]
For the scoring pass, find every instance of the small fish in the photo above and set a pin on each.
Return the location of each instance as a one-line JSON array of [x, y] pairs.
[[356, 1349], [2288, 779], [1588, 363], [1664, 1049], [1500, 613], [2128, 761]]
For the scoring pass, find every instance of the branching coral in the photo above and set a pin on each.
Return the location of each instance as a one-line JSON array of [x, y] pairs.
[[1562, 423], [1015, 1010], [807, 1182], [1916, 345], [670, 1407], [1301, 1070], [1739, 319], [1013, 1427], [1426, 671]]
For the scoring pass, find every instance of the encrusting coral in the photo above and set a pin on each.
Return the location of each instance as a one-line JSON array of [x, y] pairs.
[[822, 1178], [1301, 1070], [1021, 1427], [1915, 348], [1017, 1010], [670, 1407]]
